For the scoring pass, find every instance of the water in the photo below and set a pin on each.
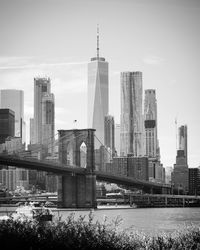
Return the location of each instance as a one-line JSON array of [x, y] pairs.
[[150, 221]]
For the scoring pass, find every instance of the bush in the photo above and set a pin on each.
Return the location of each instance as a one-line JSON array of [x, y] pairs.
[[84, 233]]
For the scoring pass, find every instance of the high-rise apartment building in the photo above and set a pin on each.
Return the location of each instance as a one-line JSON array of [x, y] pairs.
[[132, 126], [182, 135], [14, 99], [42, 127], [109, 133], [97, 94], [150, 123]]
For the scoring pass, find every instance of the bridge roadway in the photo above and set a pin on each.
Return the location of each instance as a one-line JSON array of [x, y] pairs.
[[59, 169]]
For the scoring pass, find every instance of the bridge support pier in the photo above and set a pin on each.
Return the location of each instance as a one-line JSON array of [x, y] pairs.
[[77, 191]]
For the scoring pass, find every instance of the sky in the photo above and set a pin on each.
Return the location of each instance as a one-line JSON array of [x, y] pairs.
[[57, 38]]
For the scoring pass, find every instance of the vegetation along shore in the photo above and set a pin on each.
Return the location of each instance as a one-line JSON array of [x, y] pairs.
[[85, 233]]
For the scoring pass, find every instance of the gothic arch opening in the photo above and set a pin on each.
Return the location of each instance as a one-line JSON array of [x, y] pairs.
[[83, 155]]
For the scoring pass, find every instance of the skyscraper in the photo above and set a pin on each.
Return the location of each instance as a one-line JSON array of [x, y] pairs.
[[182, 132], [97, 94], [14, 99], [7, 124], [109, 133], [132, 127], [180, 176], [150, 122], [43, 124]]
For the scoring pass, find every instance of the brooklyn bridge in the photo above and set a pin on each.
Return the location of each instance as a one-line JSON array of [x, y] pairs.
[[76, 184]]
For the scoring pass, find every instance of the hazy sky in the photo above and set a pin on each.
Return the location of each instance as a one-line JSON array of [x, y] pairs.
[[57, 38]]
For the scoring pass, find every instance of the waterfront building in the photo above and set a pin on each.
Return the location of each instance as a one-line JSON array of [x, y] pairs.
[[182, 136], [132, 126], [180, 175], [97, 94], [43, 125], [14, 99], [194, 181], [150, 123], [109, 133], [7, 124], [117, 139]]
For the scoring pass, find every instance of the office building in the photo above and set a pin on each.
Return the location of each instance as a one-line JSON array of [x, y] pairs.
[[109, 133], [132, 126], [180, 175], [150, 123], [97, 94], [130, 166], [168, 175], [194, 181], [7, 124], [14, 99], [182, 136], [42, 127]]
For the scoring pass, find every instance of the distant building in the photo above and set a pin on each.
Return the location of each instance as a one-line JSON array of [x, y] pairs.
[[97, 94], [103, 156], [168, 175], [129, 166], [117, 138], [43, 126], [150, 122], [13, 177], [8, 178], [14, 99], [7, 124], [120, 166], [132, 124], [180, 175], [109, 133], [138, 168], [31, 131], [182, 132], [194, 181]]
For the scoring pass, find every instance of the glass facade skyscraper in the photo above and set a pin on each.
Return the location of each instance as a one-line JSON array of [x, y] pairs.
[[132, 126], [97, 94], [109, 133], [43, 123], [150, 122], [182, 132], [14, 99]]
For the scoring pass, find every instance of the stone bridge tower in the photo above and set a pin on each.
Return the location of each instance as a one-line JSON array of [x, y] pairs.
[[77, 190]]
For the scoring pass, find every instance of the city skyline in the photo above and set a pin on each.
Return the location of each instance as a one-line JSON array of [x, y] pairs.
[[157, 39]]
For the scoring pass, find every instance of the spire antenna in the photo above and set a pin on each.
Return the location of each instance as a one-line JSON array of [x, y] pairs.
[[98, 41]]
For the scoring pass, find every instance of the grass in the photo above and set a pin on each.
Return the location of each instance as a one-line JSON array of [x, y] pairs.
[[84, 233]]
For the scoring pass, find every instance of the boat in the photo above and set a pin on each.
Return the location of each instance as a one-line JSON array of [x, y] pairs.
[[32, 211]]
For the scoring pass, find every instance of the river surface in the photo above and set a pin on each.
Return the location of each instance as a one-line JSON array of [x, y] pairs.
[[150, 221]]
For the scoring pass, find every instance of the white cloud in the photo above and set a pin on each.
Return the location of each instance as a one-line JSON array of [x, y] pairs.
[[20, 63], [153, 60]]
